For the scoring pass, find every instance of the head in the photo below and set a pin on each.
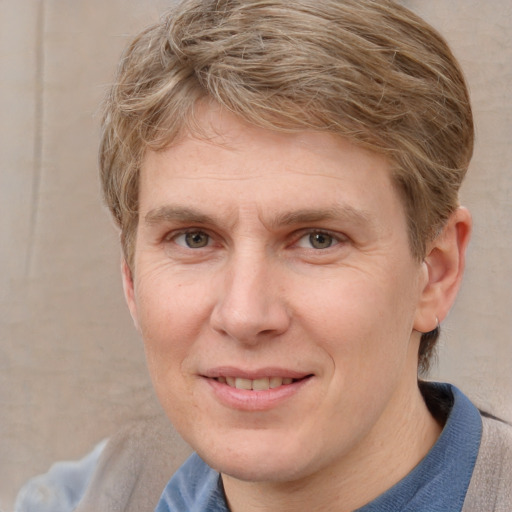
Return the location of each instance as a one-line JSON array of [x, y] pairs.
[[285, 178], [369, 71]]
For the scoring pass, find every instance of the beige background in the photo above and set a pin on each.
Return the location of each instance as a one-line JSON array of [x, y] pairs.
[[71, 366]]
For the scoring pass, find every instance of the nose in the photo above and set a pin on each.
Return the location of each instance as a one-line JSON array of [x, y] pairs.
[[250, 305]]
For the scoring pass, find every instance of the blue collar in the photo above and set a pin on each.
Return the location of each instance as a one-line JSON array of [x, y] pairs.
[[440, 481], [437, 484]]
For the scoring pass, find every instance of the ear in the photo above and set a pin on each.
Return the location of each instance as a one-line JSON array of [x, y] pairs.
[[129, 291], [444, 267]]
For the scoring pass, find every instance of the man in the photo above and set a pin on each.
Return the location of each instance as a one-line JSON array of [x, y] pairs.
[[285, 177]]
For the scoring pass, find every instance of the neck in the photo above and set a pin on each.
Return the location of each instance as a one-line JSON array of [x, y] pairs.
[[372, 467]]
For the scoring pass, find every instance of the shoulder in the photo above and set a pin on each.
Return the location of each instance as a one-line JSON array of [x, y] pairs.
[[497, 437], [491, 484], [134, 468]]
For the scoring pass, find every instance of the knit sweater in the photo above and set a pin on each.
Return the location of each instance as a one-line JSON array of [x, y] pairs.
[[490, 489]]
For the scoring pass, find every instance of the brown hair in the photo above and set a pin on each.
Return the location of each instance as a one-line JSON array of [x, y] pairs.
[[368, 70]]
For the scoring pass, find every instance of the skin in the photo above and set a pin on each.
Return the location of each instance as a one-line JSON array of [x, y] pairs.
[[261, 253]]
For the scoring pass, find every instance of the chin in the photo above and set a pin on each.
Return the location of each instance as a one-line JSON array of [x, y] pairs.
[[252, 461], [268, 470]]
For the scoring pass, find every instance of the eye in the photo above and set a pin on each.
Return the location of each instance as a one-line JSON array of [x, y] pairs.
[[317, 240], [193, 239]]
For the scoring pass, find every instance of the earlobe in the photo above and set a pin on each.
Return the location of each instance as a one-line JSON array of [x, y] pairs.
[[129, 291], [444, 267]]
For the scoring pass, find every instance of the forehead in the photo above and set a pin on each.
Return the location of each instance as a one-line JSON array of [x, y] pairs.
[[230, 165]]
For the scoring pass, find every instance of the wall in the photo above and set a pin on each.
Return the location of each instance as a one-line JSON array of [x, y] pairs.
[[71, 367]]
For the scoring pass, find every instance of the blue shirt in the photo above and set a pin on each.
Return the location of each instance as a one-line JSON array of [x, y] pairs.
[[437, 484]]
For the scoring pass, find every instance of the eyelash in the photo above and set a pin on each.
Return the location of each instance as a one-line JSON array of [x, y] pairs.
[[173, 237], [334, 239]]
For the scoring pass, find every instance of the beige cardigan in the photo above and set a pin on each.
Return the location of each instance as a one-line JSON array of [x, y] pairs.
[[490, 489]]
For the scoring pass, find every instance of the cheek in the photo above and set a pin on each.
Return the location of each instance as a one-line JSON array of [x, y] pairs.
[[168, 319], [362, 321], [169, 326]]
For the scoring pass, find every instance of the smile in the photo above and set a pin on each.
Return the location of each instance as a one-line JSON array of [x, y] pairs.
[[255, 391]]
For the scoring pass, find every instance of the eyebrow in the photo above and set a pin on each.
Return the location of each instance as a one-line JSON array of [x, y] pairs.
[[313, 215], [184, 214], [178, 214]]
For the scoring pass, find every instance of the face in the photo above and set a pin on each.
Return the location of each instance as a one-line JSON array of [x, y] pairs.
[[276, 294]]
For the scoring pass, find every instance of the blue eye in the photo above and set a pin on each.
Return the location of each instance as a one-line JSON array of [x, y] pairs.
[[193, 240], [317, 240]]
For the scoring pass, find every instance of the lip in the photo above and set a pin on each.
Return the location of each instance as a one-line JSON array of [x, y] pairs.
[[231, 371], [255, 400]]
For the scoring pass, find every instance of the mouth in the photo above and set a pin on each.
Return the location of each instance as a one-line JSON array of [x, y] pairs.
[[258, 390]]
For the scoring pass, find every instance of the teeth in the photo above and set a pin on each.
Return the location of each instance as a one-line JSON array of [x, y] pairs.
[[243, 383], [275, 382], [257, 384], [260, 384]]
